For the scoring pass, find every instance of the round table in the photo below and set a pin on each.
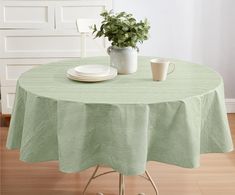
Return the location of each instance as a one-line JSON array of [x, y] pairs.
[[122, 123]]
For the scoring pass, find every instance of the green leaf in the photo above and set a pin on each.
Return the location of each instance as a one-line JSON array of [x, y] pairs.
[[122, 29]]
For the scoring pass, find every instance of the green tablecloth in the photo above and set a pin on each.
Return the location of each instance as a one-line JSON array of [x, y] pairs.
[[122, 123]]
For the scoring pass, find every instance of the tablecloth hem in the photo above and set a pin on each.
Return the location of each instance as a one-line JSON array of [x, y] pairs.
[[127, 173]]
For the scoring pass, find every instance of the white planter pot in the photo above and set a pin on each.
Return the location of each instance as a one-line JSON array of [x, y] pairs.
[[123, 59]]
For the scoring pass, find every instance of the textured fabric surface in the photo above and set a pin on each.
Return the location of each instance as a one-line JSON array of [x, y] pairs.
[[122, 123]]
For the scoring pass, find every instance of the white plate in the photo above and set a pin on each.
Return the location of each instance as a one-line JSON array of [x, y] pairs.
[[92, 70], [72, 74]]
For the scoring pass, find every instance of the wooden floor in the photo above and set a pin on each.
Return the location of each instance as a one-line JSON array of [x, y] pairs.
[[216, 176]]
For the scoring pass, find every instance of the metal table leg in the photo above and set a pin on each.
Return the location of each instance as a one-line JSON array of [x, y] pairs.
[[121, 184], [92, 177], [121, 181], [152, 182]]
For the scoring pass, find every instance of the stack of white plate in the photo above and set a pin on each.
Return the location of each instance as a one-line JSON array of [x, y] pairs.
[[92, 73]]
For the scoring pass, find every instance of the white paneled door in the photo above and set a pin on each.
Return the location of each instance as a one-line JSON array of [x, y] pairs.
[[35, 32], [27, 14]]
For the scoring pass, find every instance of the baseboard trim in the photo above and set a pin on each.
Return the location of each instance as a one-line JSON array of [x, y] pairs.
[[230, 105]]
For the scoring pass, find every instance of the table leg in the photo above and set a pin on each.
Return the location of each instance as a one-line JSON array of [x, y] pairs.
[[92, 177], [121, 184], [152, 182], [121, 181]]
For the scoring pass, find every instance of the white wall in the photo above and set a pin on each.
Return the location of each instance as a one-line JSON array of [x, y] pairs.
[[202, 31]]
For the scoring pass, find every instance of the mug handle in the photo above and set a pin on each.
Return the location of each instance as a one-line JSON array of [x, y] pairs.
[[109, 49], [173, 69]]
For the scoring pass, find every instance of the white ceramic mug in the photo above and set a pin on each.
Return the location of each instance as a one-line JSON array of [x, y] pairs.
[[160, 69]]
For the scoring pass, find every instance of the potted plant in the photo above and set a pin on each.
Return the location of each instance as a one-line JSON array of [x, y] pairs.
[[124, 32]]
